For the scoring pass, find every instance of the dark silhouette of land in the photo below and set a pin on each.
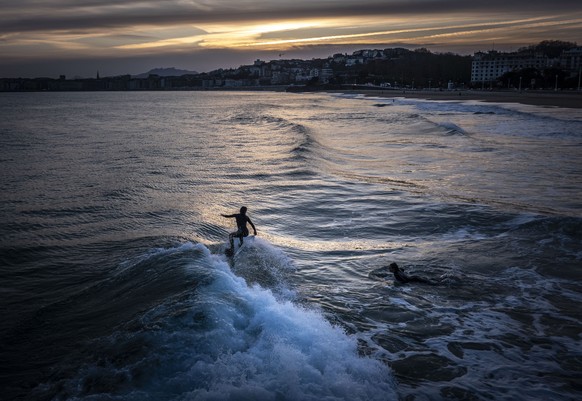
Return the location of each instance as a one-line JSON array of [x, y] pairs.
[[390, 72]]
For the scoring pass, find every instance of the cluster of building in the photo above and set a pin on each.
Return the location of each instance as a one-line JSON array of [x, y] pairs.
[[262, 73], [336, 68], [339, 68]]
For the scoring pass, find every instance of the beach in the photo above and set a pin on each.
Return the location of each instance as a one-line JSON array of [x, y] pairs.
[[571, 99]]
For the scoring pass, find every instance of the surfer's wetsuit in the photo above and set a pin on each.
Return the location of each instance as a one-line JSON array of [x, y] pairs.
[[401, 277], [241, 223]]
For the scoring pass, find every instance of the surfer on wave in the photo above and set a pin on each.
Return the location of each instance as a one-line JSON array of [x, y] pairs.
[[242, 230]]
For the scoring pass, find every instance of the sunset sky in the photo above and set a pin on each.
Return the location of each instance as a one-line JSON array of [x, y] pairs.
[[81, 37]]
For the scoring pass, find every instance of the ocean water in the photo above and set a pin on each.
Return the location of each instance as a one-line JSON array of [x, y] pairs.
[[114, 284]]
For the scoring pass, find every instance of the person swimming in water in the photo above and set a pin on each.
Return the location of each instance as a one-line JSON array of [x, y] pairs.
[[242, 230], [401, 277]]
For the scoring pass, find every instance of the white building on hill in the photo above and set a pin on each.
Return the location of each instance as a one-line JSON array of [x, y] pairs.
[[488, 67]]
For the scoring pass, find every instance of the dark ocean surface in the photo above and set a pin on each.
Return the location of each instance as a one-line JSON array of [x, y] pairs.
[[114, 284]]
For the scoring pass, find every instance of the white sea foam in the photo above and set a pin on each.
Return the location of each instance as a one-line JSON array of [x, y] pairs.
[[229, 340], [264, 348]]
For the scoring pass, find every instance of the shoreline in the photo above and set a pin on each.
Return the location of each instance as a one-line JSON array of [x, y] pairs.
[[571, 100], [562, 99]]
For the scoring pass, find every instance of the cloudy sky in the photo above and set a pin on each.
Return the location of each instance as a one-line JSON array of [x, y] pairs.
[[81, 37]]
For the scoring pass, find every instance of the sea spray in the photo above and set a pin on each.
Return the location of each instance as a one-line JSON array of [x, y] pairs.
[[227, 340]]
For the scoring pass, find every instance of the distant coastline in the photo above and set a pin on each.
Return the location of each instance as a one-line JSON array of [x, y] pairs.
[[548, 66], [546, 98]]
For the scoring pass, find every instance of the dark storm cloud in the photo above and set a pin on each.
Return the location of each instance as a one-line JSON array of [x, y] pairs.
[[37, 15]]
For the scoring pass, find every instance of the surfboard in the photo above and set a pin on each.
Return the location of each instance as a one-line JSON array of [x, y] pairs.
[[238, 248]]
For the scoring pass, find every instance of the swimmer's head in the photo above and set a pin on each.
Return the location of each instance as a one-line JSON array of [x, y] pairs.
[[243, 210], [393, 267]]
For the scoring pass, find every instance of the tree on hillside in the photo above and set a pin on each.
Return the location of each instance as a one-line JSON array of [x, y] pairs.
[[419, 68], [524, 78], [550, 48], [553, 77]]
